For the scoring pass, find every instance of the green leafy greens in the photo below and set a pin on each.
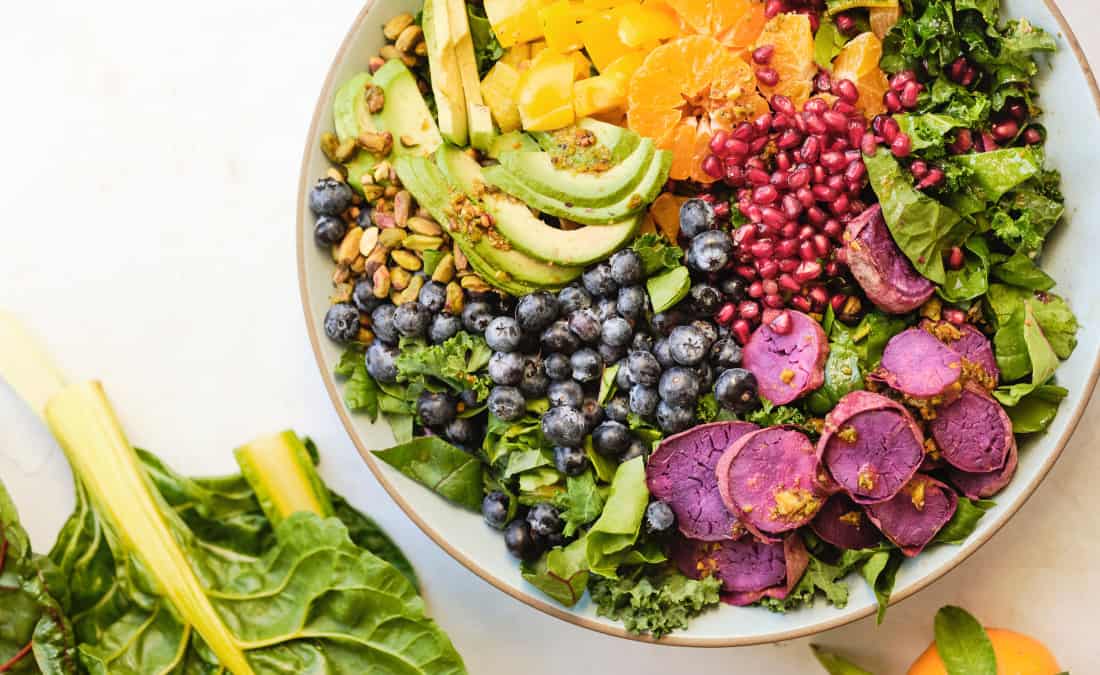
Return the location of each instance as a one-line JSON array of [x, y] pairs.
[[653, 601]]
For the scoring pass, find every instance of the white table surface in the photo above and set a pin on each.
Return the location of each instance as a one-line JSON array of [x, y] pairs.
[[150, 165]]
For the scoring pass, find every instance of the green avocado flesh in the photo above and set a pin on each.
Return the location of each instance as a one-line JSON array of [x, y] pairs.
[[405, 114], [537, 171], [450, 102], [347, 107], [513, 141], [635, 200], [618, 140], [526, 231]]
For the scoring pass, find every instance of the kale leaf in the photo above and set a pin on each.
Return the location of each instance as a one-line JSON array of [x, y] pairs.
[[654, 601]]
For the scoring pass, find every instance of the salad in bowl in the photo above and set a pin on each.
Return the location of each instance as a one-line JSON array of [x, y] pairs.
[[699, 302]]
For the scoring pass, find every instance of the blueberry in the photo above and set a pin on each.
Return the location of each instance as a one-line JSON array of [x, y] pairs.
[[544, 519], [679, 387], [573, 297], [558, 367], [644, 368], [659, 517], [587, 365], [433, 295], [606, 308], [642, 342], [536, 311], [736, 390], [330, 197], [593, 414], [444, 327], [476, 316], [643, 400], [687, 345], [733, 288], [664, 322], [519, 540], [618, 409], [565, 392], [599, 282], [626, 267], [725, 353], [624, 380], [663, 351], [469, 398], [548, 541], [570, 461], [710, 251], [506, 368], [412, 319], [529, 343], [611, 438], [617, 332], [534, 382], [610, 353], [696, 216], [506, 403], [563, 425], [342, 322], [382, 362], [464, 431], [705, 373], [585, 325], [558, 338], [674, 419], [494, 509], [436, 409], [708, 329], [503, 334], [366, 217], [329, 231], [705, 299], [631, 302], [362, 296], [381, 322], [637, 448]]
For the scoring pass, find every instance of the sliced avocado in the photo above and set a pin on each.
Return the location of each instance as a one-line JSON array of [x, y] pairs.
[[527, 232], [509, 270], [479, 119], [620, 141], [405, 114], [450, 99], [347, 103], [537, 170], [513, 141], [363, 163], [633, 202]]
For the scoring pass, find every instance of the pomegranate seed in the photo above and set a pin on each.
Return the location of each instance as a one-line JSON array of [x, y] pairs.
[[814, 123], [824, 193], [741, 330], [819, 295], [844, 107], [783, 162], [789, 139], [774, 7], [868, 145], [788, 265], [790, 229], [744, 207], [822, 245], [855, 172], [759, 144], [756, 163], [763, 123], [901, 146], [779, 180], [807, 271], [762, 55], [806, 251], [954, 316], [756, 290], [754, 213], [773, 217], [735, 148], [735, 175], [919, 169], [816, 106], [835, 121], [801, 303], [1032, 136], [757, 176], [788, 248], [837, 301], [910, 94], [806, 232], [955, 258], [774, 301], [771, 287], [989, 143], [746, 272], [934, 178], [722, 209], [782, 323], [782, 104], [748, 310], [845, 23], [744, 236], [836, 182], [1006, 130], [788, 283], [820, 175], [833, 161], [969, 76], [833, 228], [958, 69], [743, 132], [964, 141], [712, 166], [898, 82], [805, 197], [726, 313], [847, 91], [816, 215], [767, 268], [822, 82], [799, 123], [800, 177], [811, 150], [834, 268], [718, 140], [855, 133], [792, 208], [769, 77], [762, 249], [890, 129], [892, 101]]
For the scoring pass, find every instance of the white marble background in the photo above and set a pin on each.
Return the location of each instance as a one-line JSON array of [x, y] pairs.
[[150, 159]]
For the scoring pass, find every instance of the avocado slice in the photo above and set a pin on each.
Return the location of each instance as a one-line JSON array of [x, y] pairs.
[[513, 141], [633, 202], [510, 270], [348, 104], [450, 99], [619, 140], [527, 232], [405, 114], [363, 163], [479, 119], [537, 171]]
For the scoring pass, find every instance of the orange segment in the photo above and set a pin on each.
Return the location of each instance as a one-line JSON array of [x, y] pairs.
[[858, 62], [793, 58], [734, 23], [883, 19], [665, 211], [683, 91]]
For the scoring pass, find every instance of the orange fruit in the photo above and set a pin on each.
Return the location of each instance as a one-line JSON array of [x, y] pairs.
[[686, 89], [665, 212], [1016, 655], [858, 62], [793, 58], [883, 19], [734, 23]]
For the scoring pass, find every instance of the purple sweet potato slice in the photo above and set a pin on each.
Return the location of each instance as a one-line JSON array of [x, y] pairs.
[[880, 268], [748, 568], [984, 485], [979, 362], [913, 517], [844, 524], [788, 365], [772, 480], [921, 367], [973, 434], [681, 473], [871, 446]]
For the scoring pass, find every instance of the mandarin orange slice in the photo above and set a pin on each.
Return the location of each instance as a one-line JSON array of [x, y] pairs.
[[734, 23], [858, 62], [684, 91], [793, 58]]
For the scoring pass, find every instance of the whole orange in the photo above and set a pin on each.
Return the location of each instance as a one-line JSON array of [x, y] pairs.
[[1016, 655]]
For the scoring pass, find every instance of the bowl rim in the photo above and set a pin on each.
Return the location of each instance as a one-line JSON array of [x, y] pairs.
[[964, 552]]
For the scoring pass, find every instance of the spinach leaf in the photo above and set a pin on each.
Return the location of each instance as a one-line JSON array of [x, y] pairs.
[[929, 132], [880, 571], [834, 664], [607, 383], [1020, 270], [999, 171], [1052, 313], [972, 279], [921, 226], [487, 48], [603, 465], [828, 41], [964, 522], [1043, 359], [448, 471], [611, 537], [657, 254], [654, 601], [360, 390], [524, 460], [1031, 408], [581, 503], [561, 573], [843, 374], [1010, 348], [963, 644]]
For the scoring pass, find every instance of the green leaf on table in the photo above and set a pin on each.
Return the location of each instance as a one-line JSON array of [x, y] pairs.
[[963, 644], [561, 573], [365, 533], [440, 466], [611, 537], [655, 601], [835, 664], [1020, 270], [964, 522]]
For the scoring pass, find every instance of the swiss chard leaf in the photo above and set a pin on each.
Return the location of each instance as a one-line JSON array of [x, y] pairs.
[[561, 573], [611, 538], [440, 466], [656, 601]]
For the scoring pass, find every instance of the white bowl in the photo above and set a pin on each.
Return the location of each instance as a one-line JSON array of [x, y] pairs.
[[1071, 100]]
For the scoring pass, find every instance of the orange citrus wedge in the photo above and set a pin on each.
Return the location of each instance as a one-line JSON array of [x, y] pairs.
[[734, 23], [793, 58], [858, 62]]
